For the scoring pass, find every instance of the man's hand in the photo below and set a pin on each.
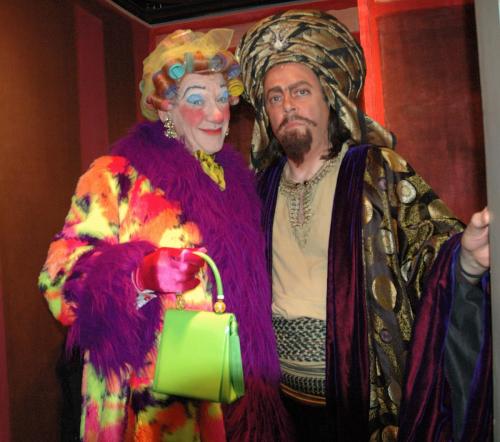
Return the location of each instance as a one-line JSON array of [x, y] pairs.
[[475, 252]]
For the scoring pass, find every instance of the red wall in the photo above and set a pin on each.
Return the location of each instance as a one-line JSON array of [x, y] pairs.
[[423, 83], [438, 120]]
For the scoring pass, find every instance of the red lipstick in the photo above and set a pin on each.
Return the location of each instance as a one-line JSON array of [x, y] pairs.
[[212, 131]]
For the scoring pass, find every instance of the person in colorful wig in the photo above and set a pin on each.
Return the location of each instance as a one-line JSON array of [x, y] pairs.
[[123, 255], [380, 299]]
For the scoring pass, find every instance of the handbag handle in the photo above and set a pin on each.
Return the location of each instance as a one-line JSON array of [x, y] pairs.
[[219, 306]]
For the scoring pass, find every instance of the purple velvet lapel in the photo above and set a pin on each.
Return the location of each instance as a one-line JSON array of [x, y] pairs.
[[347, 347], [426, 412], [347, 351], [268, 184]]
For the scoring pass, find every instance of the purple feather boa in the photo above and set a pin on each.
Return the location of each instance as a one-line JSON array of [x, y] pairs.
[[107, 321], [229, 222]]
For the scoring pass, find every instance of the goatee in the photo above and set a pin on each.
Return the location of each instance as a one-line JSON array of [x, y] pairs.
[[296, 144]]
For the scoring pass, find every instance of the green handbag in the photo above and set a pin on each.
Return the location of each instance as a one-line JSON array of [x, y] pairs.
[[199, 352]]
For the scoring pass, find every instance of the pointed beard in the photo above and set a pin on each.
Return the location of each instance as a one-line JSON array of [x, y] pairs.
[[296, 144]]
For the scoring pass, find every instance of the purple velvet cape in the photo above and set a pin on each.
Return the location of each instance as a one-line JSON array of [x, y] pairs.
[[116, 333], [424, 414]]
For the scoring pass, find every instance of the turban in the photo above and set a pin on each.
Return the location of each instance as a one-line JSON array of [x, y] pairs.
[[319, 41]]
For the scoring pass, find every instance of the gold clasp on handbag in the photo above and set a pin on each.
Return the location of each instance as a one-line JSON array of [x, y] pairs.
[[220, 305], [180, 304]]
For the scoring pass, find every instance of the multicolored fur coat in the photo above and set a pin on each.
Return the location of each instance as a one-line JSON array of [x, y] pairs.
[[151, 192]]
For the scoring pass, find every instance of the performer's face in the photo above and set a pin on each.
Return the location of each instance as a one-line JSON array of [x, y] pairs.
[[296, 105], [201, 113]]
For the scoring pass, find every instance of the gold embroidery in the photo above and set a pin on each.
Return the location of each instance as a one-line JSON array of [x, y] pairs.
[[299, 198]]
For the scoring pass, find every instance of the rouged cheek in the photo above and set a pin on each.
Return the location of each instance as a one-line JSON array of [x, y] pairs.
[[191, 116]]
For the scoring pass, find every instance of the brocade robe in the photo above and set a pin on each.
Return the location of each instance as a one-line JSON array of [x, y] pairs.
[[389, 298]]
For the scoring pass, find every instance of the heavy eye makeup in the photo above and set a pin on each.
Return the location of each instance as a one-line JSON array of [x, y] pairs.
[[195, 99], [223, 97]]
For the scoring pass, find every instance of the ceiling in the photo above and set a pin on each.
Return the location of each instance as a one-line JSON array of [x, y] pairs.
[[162, 11]]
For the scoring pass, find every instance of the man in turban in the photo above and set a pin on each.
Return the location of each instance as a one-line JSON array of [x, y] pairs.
[[380, 303]]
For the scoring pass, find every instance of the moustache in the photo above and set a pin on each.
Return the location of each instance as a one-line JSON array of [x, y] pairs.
[[286, 120]]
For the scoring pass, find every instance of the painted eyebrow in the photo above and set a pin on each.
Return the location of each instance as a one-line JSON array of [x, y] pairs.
[[192, 87], [222, 86], [291, 87]]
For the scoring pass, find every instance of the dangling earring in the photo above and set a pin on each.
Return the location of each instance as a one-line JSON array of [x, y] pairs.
[[227, 132], [169, 128]]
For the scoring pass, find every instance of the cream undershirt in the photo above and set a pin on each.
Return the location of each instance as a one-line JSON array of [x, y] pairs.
[[300, 273]]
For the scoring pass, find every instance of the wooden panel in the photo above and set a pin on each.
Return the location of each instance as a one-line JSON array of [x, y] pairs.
[[4, 387], [432, 100], [120, 76], [40, 109], [40, 163], [488, 20], [141, 38], [91, 86], [106, 76]]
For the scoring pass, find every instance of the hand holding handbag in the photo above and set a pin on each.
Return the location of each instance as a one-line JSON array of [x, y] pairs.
[[199, 353]]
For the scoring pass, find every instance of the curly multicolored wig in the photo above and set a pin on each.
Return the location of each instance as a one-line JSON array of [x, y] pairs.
[[181, 53]]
